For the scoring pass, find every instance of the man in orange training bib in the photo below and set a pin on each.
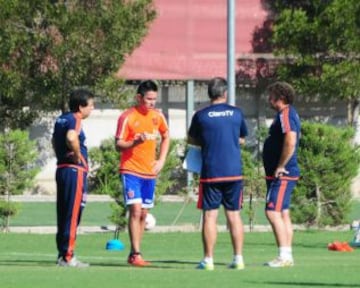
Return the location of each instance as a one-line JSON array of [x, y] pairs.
[[136, 137]]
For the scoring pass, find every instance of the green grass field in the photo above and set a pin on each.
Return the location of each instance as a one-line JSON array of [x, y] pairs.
[[166, 213], [97, 213], [28, 260]]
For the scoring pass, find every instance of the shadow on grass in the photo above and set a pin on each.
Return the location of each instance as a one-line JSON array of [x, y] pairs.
[[156, 264], [160, 264], [17, 262], [305, 284], [171, 264], [312, 246], [49, 263], [174, 262]]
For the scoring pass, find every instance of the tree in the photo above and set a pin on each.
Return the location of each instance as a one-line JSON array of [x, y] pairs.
[[328, 162], [104, 179], [104, 176], [254, 184], [17, 169], [49, 47], [321, 46], [171, 175]]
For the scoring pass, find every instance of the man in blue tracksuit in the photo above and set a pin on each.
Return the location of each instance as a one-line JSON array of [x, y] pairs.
[[71, 174]]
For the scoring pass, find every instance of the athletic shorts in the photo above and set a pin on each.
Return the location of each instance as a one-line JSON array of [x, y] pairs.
[[138, 190], [279, 194], [212, 195]]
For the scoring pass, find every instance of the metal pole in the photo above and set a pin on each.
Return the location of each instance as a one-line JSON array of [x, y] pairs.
[[231, 12], [189, 114], [189, 102]]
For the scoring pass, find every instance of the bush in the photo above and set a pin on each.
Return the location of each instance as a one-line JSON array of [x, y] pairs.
[[328, 162], [17, 157], [17, 171], [171, 179], [104, 176], [104, 169], [7, 210], [254, 183]]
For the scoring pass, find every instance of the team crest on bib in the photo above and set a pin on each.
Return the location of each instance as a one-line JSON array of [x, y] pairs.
[[155, 121], [131, 193]]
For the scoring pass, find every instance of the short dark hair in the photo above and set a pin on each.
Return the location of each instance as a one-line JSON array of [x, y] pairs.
[[146, 86], [282, 90], [217, 87], [79, 97]]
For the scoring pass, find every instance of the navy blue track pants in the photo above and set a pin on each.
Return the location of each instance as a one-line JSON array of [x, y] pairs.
[[71, 198]]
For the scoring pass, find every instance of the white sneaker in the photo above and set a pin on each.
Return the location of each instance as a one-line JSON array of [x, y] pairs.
[[205, 266], [237, 265], [72, 263], [280, 263]]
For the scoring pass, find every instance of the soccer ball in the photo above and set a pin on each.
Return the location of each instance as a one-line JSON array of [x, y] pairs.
[[150, 221]]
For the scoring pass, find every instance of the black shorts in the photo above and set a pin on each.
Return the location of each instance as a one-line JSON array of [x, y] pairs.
[[229, 194]]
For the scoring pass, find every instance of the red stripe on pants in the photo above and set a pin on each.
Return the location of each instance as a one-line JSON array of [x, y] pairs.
[[75, 215], [281, 194]]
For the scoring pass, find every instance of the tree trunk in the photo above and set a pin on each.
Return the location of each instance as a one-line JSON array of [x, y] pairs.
[[356, 108], [318, 205], [353, 107], [8, 184]]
